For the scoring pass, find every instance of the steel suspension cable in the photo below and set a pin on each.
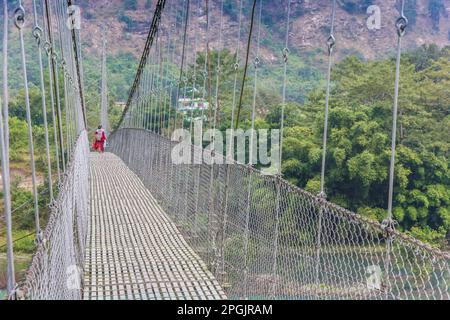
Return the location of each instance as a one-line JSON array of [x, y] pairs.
[[251, 160], [186, 43], [143, 99], [230, 145], [184, 79], [5, 108], [173, 86], [168, 82], [280, 160], [285, 65], [104, 89], [389, 224], [134, 107], [194, 84], [48, 49], [173, 81], [37, 32], [153, 83], [79, 69], [148, 83], [150, 38], [256, 63], [401, 25], [19, 16], [218, 70], [4, 138], [331, 41], [62, 66], [139, 103], [146, 88], [208, 61], [236, 73], [194, 75], [249, 41], [149, 73], [205, 68], [198, 144], [183, 53], [212, 242], [161, 81], [55, 80], [65, 65]]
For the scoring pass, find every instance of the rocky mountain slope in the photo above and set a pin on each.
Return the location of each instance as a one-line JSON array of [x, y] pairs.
[[126, 23]]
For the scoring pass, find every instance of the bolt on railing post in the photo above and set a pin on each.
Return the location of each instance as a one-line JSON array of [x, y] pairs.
[[19, 22], [331, 42]]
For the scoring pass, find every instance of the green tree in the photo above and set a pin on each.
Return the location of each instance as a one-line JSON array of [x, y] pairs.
[[130, 4]]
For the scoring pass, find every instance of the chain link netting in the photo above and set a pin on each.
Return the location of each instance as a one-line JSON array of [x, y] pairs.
[[41, 72], [55, 272], [264, 238]]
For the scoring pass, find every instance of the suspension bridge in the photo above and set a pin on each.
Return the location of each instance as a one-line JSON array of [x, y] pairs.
[[132, 224]]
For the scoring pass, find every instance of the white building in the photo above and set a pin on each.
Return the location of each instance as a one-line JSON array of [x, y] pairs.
[[187, 104]]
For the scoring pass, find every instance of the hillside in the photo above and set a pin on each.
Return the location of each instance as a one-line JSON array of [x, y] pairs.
[[127, 25]]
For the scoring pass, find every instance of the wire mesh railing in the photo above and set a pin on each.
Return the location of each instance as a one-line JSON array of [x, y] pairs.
[[41, 73], [54, 273], [264, 238]]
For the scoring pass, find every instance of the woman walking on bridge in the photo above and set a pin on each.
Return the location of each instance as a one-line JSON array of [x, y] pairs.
[[99, 140]]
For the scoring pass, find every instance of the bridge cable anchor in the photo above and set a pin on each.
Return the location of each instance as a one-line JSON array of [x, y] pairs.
[[331, 42], [19, 17], [37, 34], [257, 62], [322, 196], [39, 238], [401, 24], [285, 52], [388, 225]]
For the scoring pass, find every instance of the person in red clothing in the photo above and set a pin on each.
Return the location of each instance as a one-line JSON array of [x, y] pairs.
[[99, 140]]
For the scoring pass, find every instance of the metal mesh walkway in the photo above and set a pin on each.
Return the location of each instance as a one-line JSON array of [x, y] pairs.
[[134, 250]]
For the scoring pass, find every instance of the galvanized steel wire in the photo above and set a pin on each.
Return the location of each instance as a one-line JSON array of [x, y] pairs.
[[60, 243]]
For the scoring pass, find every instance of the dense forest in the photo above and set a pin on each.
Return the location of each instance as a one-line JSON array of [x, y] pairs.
[[360, 136], [358, 154]]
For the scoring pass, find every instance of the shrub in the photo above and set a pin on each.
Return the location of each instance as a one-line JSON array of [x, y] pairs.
[[130, 4]]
